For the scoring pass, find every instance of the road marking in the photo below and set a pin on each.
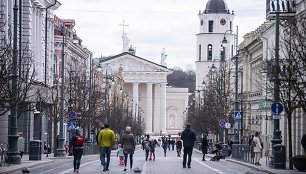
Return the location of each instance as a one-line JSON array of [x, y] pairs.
[[46, 171], [216, 170], [144, 168], [66, 171]]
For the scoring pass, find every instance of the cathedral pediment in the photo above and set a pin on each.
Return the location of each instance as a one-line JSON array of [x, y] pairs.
[[129, 63]]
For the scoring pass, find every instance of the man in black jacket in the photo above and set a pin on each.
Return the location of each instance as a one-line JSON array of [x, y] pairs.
[[188, 137]]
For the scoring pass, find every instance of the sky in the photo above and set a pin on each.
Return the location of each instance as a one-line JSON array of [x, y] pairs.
[[152, 25]]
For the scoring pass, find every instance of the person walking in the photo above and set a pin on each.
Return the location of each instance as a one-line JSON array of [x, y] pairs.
[[165, 145], [120, 154], [77, 146], [188, 137], [146, 145], [178, 146], [204, 145], [152, 150], [106, 140], [66, 146], [102, 127], [257, 148], [128, 143]]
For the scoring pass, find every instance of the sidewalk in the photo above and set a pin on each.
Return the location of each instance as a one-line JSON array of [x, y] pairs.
[[263, 168]]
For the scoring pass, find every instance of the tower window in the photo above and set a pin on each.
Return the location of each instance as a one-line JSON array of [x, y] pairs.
[[231, 25], [210, 26], [209, 52], [202, 22], [200, 55]]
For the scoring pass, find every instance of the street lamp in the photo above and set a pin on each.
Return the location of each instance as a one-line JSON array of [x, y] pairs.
[[236, 109], [61, 139]]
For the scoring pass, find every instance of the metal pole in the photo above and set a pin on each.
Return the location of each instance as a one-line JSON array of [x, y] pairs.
[[241, 107], [13, 153], [236, 124], [61, 139], [106, 97], [277, 133]]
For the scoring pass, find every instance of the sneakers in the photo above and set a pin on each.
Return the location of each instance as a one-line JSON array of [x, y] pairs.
[[76, 170], [189, 167], [124, 169], [184, 166]]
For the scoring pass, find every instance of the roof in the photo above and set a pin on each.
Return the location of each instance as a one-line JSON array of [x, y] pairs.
[[216, 6]]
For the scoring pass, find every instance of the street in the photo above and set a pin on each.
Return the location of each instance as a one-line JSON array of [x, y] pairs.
[[169, 164]]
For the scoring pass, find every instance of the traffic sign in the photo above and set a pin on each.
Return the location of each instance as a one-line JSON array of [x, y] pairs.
[[71, 125], [276, 116], [72, 115], [238, 115], [227, 125], [277, 108], [221, 123]]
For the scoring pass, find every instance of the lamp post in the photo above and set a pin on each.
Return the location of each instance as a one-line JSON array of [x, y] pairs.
[[61, 139], [236, 108], [13, 153], [46, 133]]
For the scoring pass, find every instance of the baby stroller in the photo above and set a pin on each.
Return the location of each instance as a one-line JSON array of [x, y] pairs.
[[217, 153]]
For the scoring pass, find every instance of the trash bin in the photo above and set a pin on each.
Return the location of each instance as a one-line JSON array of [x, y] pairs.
[[35, 150], [224, 150], [279, 156]]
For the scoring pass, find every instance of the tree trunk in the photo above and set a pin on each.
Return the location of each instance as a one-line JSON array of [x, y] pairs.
[[55, 137], [290, 140]]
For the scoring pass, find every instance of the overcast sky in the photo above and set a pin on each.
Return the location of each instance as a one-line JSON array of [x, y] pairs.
[[153, 25]]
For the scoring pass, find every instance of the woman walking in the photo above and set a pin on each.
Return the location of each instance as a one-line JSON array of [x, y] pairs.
[[128, 143], [257, 148], [77, 144], [164, 145]]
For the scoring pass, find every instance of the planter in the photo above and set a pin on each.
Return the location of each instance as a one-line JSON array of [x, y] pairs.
[[299, 162]]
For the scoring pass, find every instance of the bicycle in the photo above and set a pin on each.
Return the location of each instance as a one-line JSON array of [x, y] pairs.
[[4, 157]]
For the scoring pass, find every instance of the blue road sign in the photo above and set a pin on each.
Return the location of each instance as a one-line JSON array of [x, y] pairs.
[[277, 108], [238, 115], [71, 125], [71, 115], [222, 123]]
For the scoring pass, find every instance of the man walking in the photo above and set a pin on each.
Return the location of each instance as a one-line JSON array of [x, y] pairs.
[[188, 137], [106, 140]]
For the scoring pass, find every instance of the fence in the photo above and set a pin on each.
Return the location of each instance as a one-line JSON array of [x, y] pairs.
[[243, 152]]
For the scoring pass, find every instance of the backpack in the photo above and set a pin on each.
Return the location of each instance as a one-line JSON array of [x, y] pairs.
[[79, 140], [146, 145]]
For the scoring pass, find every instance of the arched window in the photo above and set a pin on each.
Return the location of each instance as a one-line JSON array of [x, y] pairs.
[[200, 55], [209, 52]]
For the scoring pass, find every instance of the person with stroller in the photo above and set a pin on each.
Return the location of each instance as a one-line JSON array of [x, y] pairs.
[[217, 153], [178, 146], [204, 145]]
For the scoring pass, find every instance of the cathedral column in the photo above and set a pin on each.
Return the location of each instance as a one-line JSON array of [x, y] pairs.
[[163, 117], [156, 109], [135, 99], [149, 118]]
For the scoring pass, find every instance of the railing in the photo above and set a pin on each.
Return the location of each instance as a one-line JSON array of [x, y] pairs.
[[90, 149], [243, 152]]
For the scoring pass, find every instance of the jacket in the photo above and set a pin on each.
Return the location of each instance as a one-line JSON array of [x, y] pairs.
[[128, 143], [188, 137], [204, 145], [258, 147], [106, 138]]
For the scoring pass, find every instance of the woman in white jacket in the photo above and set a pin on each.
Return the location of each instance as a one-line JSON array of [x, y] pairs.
[[257, 148]]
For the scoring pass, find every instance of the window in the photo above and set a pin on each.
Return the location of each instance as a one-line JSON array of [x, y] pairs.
[[231, 25], [222, 55], [202, 22], [200, 55], [209, 52], [210, 26]]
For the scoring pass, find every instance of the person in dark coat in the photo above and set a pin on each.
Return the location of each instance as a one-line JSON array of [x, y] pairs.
[[128, 143], [303, 141], [77, 150], [188, 137], [204, 145]]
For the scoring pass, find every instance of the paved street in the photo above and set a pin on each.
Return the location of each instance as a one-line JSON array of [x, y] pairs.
[[169, 164]]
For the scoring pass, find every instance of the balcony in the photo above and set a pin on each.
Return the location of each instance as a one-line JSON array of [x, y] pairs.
[[287, 9]]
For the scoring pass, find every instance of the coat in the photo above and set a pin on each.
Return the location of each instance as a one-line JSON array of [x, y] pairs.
[[106, 138], [128, 143], [303, 141], [188, 137], [204, 145], [258, 147]]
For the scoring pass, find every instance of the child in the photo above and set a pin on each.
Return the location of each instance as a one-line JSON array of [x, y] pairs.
[[152, 150], [120, 154]]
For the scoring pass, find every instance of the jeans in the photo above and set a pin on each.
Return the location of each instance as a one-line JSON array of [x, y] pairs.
[[147, 154], [131, 160], [187, 151], [105, 151], [77, 155]]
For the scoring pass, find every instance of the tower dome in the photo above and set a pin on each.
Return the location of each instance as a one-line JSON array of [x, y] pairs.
[[216, 6]]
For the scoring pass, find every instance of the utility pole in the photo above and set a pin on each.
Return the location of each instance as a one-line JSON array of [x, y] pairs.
[[13, 153]]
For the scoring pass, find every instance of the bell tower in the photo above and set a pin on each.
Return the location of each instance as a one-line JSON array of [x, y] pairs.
[[215, 22]]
